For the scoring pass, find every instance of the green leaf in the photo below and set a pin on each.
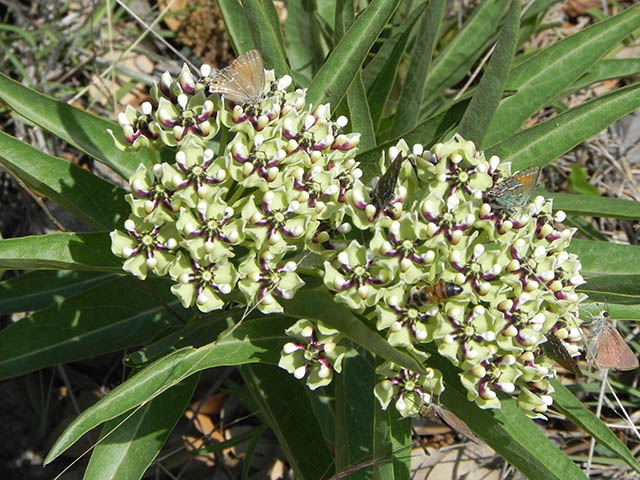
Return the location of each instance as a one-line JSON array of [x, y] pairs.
[[267, 337], [60, 251], [620, 259], [537, 6], [107, 318], [304, 42], [333, 79], [579, 182], [129, 443], [620, 289], [354, 410], [606, 69], [36, 290], [392, 445], [507, 430], [356, 99], [382, 57], [544, 76], [91, 199], [384, 83], [317, 303], [85, 131], [573, 409], [483, 105], [236, 25], [593, 206], [455, 60], [267, 37], [197, 333], [284, 405], [359, 113], [408, 109], [545, 142]]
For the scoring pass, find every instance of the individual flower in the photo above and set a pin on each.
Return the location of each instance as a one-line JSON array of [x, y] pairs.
[[146, 247], [202, 283], [314, 351], [409, 390], [263, 279]]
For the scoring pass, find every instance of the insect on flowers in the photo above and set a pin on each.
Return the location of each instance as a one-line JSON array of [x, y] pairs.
[[607, 348], [514, 191], [242, 81]]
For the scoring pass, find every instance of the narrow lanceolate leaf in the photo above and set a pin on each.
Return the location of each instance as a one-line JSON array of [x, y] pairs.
[[623, 288], [303, 39], [85, 131], [606, 69], [388, 45], [285, 406], [36, 290], [356, 99], [332, 81], [486, 98], [318, 304], [381, 89], [545, 142], [107, 318], [236, 25], [267, 37], [60, 251], [537, 7], [453, 63], [545, 75], [408, 108], [595, 206], [355, 405], [507, 430], [91, 199], [575, 411], [391, 445], [620, 259], [267, 337], [129, 443]]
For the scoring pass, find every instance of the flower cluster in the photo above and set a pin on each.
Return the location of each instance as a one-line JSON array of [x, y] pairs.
[[449, 269], [450, 255], [217, 221]]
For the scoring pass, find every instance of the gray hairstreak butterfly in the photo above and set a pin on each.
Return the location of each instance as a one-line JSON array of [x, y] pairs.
[[607, 348], [243, 80], [514, 191]]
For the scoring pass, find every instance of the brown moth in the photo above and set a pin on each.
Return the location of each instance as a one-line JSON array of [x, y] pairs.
[[607, 348], [242, 81]]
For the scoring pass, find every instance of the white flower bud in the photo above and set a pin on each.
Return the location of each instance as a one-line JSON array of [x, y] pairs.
[[284, 82], [183, 100], [300, 372], [205, 69], [289, 348], [130, 225]]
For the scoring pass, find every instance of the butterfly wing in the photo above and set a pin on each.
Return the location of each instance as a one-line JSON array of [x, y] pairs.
[[243, 81], [613, 352], [515, 190], [555, 349], [383, 192]]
